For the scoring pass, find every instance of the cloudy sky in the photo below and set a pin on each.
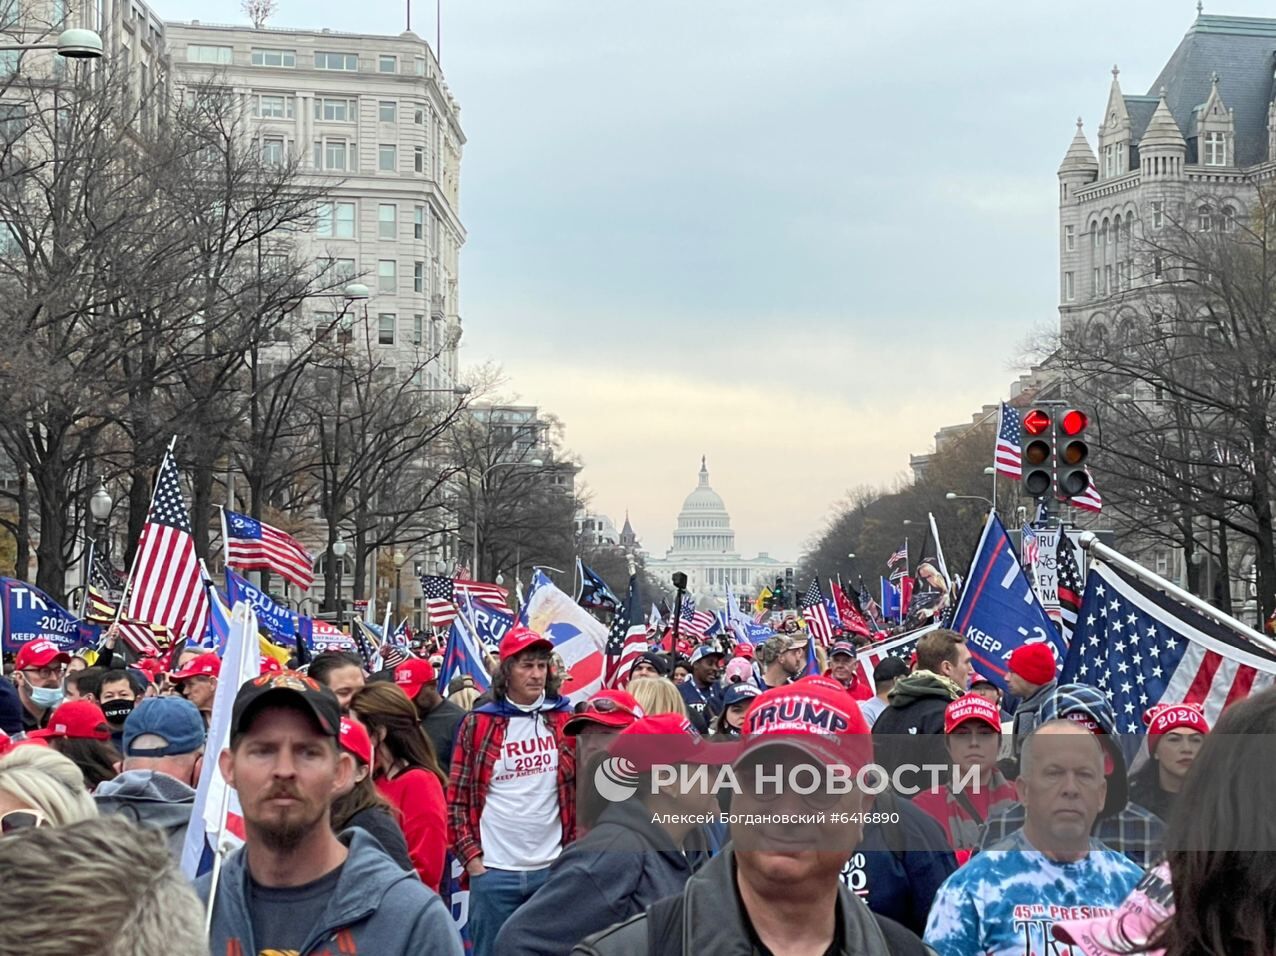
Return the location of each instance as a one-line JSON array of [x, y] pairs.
[[797, 237]]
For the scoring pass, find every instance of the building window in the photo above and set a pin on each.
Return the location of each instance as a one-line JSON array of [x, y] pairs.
[[1120, 277], [1108, 233], [418, 158], [1129, 273], [385, 328], [418, 276], [387, 111], [1107, 279], [387, 276], [343, 270], [418, 329], [418, 116], [221, 55], [1094, 234], [1069, 292], [272, 151], [274, 106], [334, 110], [1156, 267], [387, 158], [1096, 278], [1204, 218], [333, 154], [347, 62], [387, 63], [9, 62], [1069, 238], [335, 220], [387, 221], [419, 66], [1158, 213], [1228, 220], [274, 57], [418, 222], [1215, 149]]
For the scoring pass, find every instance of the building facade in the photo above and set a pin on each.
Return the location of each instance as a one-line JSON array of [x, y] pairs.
[[373, 122], [704, 548]]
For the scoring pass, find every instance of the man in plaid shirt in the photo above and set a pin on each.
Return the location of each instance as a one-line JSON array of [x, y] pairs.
[[512, 791], [1123, 826]]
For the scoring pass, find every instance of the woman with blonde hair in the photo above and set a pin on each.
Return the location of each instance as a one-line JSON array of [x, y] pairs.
[[39, 787], [657, 695]]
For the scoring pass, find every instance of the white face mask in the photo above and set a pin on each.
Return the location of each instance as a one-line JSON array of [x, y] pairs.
[[45, 697]]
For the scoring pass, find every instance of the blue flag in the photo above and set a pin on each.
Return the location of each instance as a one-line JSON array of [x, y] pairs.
[[463, 656], [278, 620], [890, 601], [488, 623], [31, 615], [999, 611], [594, 593]]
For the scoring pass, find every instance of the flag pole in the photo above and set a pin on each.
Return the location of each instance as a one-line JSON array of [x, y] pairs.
[[1090, 543], [88, 571], [225, 537], [128, 582]]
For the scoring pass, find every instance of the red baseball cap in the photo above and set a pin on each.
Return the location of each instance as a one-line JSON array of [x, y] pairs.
[[614, 709], [39, 653], [971, 707], [1163, 718], [665, 739], [743, 650], [206, 665], [270, 665], [354, 738], [519, 639], [77, 719], [414, 674], [815, 715]]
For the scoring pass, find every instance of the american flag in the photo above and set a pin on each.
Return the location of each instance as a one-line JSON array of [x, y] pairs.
[[441, 595], [872, 610], [168, 584], [816, 613], [1143, 649], [897, 563], [901, 647], [145, 639], [1090, 499], [1029, 547], [253, 545], [492, 595], [626, 639], [1007, 457], [1070, 585]]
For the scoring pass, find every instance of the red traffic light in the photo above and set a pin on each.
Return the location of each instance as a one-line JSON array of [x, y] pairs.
[[1036, 422], [1074, 422]]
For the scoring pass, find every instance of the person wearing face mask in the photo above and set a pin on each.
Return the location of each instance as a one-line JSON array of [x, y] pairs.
[[163, 753], [117, 693], [37, 671]]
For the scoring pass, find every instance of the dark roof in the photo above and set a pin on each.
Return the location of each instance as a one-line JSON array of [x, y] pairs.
[[1140, 109], [1242, 50]]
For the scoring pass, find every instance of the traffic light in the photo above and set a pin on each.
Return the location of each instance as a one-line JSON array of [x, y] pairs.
[[1037, 451], [1073, 478]]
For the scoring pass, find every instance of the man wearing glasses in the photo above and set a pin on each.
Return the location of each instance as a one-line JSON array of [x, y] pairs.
[[37, 672]]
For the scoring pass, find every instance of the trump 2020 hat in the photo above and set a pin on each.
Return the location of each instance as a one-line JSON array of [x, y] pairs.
[[412, 675], [814, 715], [77, 720], [206, 665], [39, 653]]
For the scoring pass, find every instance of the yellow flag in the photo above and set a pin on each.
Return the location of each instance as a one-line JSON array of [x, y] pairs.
[[273, 650], [760, 604]]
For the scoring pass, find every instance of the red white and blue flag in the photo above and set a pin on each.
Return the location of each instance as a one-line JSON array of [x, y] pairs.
[[1007, 457], [253, 545], [626, 639], [816, 613], [1090, 499]]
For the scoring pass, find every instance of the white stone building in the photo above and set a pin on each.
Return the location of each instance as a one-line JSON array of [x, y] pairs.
[[704, 548], [373, 120]]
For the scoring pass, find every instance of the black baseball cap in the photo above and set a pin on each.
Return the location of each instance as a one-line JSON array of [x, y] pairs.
[[287, 689]]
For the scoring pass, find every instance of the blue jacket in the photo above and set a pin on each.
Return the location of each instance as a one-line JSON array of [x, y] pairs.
[[618, 869], [377, 909], [10, 709]]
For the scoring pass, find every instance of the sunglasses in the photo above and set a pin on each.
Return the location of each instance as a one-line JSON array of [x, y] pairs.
[[16, 820], [606, 706]]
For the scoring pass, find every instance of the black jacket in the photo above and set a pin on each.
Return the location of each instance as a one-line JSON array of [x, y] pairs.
[[380, 823], [706, 919], [440, 726], [911, 729], [618, 869]]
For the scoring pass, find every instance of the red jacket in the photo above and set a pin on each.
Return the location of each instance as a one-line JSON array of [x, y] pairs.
[[479, 739]]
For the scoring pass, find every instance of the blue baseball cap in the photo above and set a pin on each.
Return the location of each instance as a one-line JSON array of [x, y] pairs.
[[175, 719], [705, 650], [739, 693]]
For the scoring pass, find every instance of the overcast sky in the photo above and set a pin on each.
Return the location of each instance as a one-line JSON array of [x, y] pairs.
[[798, 237]]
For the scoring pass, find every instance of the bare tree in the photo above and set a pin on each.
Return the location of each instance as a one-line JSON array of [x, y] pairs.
[[259, 11]]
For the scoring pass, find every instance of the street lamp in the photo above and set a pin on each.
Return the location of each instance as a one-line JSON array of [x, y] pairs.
[[100, 507], [400, 559], [482, 487], [953, 496], [73, 44], [339, 552]]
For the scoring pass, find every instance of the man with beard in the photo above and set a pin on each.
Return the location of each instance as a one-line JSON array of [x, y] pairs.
[[295, 886]]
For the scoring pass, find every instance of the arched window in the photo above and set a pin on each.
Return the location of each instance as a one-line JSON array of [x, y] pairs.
[[1204, 217], [1107, 236], [1228, 221], [1129, 226]]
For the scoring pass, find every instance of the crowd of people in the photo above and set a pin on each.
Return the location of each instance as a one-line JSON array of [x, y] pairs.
[[381, 813]]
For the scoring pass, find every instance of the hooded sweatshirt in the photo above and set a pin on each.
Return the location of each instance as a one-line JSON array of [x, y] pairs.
[[911, 729], [151, 799], [376, 909]]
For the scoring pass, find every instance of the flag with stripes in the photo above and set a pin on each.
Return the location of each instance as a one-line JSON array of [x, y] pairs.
[[1029, 547], [1090, 499], [1143, 649], [98, 607], [852, 619], [901, 647], [492, 595], [146, 639], [816, 613], [168, 584], [897, 563], [436, 591], [1007, 457], [626, 639], [1070, 585], [253, 545]]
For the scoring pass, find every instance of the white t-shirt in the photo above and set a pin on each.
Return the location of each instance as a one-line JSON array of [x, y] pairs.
[[872, 709], [520, 827]]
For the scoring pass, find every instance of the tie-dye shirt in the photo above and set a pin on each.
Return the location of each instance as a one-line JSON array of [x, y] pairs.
[[1005, 901]]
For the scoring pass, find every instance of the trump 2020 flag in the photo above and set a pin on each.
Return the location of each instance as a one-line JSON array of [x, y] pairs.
[[578, 637], [217, 822], [999, 611], [463, 657], [1143, 649], [28, 614]]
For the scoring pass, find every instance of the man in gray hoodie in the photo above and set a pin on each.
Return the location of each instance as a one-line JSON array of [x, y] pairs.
[[163, 746]]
